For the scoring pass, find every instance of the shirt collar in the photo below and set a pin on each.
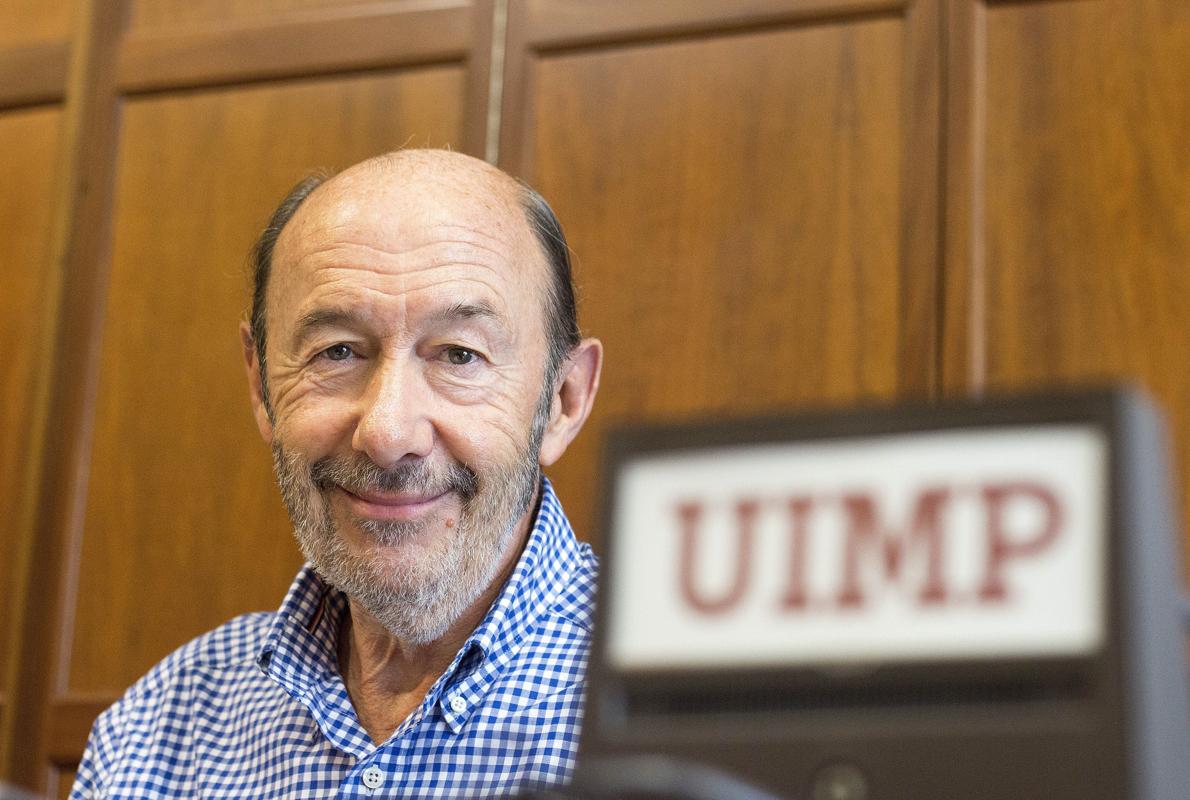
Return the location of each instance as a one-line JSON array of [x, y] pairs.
[[300, 650], [549, 559], [546, 568], [301, 646]]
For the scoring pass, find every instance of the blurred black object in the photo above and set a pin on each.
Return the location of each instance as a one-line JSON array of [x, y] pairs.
[[1109, 723], [648, 778]]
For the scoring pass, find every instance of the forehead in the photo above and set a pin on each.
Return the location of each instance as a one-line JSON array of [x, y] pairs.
[[382, 231]]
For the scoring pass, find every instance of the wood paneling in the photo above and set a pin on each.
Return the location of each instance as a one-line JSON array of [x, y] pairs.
[[158, 14], [334, 41], [73, 297], [31, 21], [184, 527], [34, 37], [70, 724], [566, 23], [63, 780], [33, 73], [746, 212], [60, 424], [28, 142], [1077, 178]]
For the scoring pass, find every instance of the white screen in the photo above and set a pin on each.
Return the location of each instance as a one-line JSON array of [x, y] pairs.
[[967, 544]]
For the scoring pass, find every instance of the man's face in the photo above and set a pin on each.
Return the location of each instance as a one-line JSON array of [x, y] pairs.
[[405, 363]]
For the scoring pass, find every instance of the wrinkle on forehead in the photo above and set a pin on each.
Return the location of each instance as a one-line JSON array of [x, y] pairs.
[[448, 288], [442, 246], [448, 268]]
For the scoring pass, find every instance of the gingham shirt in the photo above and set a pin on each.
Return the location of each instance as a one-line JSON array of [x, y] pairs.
[[257, 708]]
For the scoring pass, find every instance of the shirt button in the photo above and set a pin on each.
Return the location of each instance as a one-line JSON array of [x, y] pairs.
[[373, 777], [458, 704]]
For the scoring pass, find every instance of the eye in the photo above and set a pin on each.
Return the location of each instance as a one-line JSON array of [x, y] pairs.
[[338, 352], [460, 356]]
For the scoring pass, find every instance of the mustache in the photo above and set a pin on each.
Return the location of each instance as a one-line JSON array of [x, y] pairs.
[[362, 474]]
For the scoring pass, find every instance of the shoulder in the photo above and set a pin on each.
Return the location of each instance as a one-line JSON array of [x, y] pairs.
[[230, 649], [234, 645], [196, 676], [565, 570], [575, 602], [560, 645]]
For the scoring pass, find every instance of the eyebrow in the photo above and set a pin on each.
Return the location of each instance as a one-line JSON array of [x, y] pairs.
[[466, 311], [323, 318]]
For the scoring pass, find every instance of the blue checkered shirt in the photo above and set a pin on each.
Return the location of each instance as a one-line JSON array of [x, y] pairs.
[[257, 708]]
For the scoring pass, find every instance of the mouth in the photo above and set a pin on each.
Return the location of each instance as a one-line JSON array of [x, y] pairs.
[[391, 505]]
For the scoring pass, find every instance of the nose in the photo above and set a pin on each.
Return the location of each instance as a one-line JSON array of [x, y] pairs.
[[394, 420]]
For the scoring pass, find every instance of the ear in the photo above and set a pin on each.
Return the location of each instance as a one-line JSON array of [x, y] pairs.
[[572, 399], [255, 389]]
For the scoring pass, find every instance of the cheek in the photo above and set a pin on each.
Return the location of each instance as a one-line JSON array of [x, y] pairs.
[[315, 427], [497, 437], [493, 420]]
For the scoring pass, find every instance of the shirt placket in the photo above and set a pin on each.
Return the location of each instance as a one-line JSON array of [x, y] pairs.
[[389, 770]]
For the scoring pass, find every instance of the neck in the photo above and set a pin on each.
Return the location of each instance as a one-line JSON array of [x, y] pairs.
[[386, 676]]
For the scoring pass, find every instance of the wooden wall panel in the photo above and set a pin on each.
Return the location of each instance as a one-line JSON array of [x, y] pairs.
[[1076, 175], [183, 526], [31, 21], [63, 779], [82, 203], [34, 36], [743, 218], [333, 41], [164, 14], [29, 144]]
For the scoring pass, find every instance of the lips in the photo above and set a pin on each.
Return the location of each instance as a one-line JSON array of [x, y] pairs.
[[391, 505]]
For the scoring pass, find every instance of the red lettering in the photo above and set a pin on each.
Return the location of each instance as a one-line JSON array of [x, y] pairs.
[[795, 591], [999, 547], [689, 516], [864, 533]]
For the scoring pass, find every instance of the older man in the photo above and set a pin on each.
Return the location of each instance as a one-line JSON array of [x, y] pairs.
[[413, 361]]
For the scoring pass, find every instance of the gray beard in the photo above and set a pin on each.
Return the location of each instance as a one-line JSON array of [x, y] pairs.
[[419, 598]]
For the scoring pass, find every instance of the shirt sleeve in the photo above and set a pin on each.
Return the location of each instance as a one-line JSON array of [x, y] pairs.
[[101, 752]]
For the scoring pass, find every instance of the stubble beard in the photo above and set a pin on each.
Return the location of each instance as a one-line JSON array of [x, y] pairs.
[[419, 595]]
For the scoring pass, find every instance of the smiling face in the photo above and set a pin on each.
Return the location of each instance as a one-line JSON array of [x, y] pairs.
[[405, 359]]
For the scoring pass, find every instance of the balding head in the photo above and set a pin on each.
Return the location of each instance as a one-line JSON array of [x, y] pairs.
[[405, 185]]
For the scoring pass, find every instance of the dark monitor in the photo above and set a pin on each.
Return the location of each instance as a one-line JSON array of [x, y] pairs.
[[975, 600]]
